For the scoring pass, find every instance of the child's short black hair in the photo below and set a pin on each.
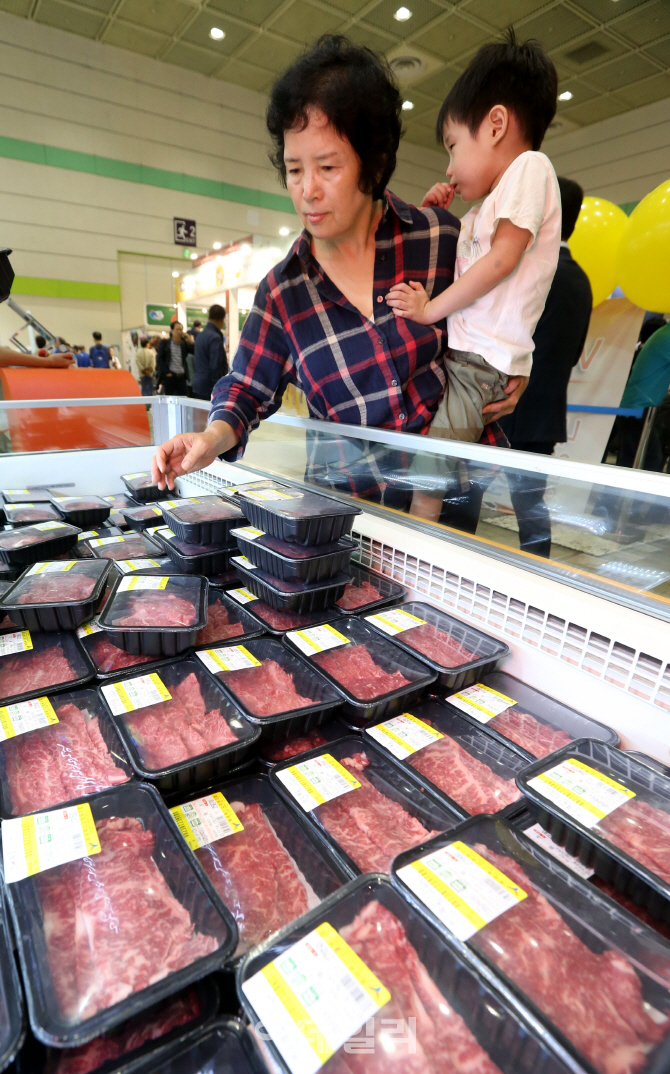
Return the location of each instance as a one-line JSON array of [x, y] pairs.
[[572, 196], [522, 77]]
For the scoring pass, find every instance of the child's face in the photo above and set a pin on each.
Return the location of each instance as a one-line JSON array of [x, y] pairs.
[[473, 169]]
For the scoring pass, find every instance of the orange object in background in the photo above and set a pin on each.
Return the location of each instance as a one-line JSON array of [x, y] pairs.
[[61, 428]]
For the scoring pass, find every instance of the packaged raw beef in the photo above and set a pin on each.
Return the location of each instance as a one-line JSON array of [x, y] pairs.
[[106, 656], [11, 1004], [56, 595], [446, 1018], [142, 489], [25, 495], [119, 501], [293, 562], [226, 619], [272, 870], [84, 511], [124, 546], [178, 726], [458, 653], [33, 663], [222, 1047], [595, 800], [207, 559], [368, 590], [598, 984], [155, 615], [167, 933], [272, 753], [374, 676], [285, 512], [271, 686], [452, 757], [28, 544], [276, 621], [525, 719], [299, 597], [24, 514], [202, 519], [48, 763], [370, 811], [139, 518]]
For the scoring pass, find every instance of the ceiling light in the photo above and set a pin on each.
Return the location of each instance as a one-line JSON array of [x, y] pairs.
[[565, 96], [217, 34], [284, 231], [245, 248], [216, 245], [204, 309], [176, 275], [403, 14], [194, 257], [407, 106]]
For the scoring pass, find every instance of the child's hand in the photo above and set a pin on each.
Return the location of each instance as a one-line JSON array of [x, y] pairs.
[[441, 195], [409, 300]]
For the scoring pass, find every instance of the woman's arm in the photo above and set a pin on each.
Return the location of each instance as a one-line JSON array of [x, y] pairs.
[[191, 451]]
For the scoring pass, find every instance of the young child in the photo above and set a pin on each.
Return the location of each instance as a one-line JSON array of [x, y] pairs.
[[492, 124]]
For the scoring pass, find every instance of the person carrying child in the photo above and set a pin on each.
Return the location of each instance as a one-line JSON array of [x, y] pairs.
[[492, 124]]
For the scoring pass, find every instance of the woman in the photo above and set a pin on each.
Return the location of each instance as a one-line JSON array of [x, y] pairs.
[[171, 360], [320, 319]]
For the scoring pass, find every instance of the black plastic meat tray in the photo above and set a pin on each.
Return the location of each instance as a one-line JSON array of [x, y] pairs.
[[143, 665], [200, 769], [207, 559], [645, 887], [50, 539], [299, 597], [288, 513], [389, 591], [224, 1047], [119, 501], [84, 511], [484, 652], [12, 1021], [546, 710], [124, 546], [598, 923], [361, 711], [651, 762], [224, 516], [27, 514], [274, 620], [142, 489], [389, 778], [50, 616], [326, 701], [269, 757], [515, 1040], [187, 884], [237, 614], [80, 664], [154, 640], [41, 495], [293, 562], [140, 518]]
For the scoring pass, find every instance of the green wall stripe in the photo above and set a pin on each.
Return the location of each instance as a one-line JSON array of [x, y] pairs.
[[71, 160], [35, 285]]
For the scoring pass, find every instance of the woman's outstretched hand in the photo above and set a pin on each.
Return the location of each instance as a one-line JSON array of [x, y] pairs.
[[187, 452]]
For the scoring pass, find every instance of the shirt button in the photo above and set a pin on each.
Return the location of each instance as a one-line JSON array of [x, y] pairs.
[[394, 383], [382, 257], [401, 417], [380, 298], [381, 340]]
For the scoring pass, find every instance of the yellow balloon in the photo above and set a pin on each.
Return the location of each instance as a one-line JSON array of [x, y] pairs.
[[595, 241], [643, 260]]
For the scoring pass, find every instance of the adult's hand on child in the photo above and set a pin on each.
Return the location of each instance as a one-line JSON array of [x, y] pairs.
[[409, 300], [441, 196], [516, 386]]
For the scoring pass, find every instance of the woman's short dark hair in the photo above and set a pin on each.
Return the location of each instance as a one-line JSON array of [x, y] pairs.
[[356, 90], [522, 77]]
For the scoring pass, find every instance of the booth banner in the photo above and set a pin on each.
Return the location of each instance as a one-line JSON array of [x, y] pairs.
[[599, 378]]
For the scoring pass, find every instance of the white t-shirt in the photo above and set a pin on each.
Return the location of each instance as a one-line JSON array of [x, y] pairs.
[[500, 325]]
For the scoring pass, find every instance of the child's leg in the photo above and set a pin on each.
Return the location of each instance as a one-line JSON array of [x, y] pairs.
[[472, 383]]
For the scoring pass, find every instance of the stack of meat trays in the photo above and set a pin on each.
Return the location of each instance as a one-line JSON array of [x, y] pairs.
[[410, 1001], [612, 812], [197, 534], [225, 1045], [456, 761], [56, 595], [155, 615], [594, 977], [11, 1004], [459, 654], [266, 863], [365, 806], [525, 719]]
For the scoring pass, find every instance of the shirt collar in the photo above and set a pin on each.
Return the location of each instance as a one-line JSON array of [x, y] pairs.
[[302, 247]]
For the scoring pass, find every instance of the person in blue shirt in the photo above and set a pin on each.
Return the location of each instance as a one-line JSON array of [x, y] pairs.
[[100, 355], [82, 357]]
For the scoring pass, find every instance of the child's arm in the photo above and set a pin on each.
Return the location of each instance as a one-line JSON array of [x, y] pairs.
[[410, 300]]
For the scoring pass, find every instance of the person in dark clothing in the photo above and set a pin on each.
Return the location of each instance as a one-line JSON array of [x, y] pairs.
[[196, 329], [171, 360], [99, 354], [210, 354]]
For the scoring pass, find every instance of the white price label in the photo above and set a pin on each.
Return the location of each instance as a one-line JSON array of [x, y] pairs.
[[50, 526], [53, 567], [131, 477], [313, 997], [15, 492], [166, 532], [242, 596], [244, 562], [395, 621], [581, 791], [154, 581], [17, 642], [481, 702], [228, 658], [269, 495], [317, 780], [404, 735], [44, 840], [26, 716], [132, 694], [207, 819], [107, 540], [9, 507], [462, 888], [317, 639], [128, 565], [87, 533], [86, 629], [537, 833], [250, 533]]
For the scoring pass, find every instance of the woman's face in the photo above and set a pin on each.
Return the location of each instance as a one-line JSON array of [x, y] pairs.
[[322, 177]]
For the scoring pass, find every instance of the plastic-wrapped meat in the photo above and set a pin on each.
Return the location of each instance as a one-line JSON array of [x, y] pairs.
[[355, 596], [149, 1025], [256, 877], [594, 999], [128, 548], [437, 645], [221, 624], [33, 671], [92, 965], [278, 620], [643, 832], [54, 764], [281, 751], [74, 504], [537, 738], [156, 608], [32, 514], [355, 670], [205, 512], [470, 782], [265, 690], [172, 731], [371, 828], [107, 657], [443, 1042], [19, 539], [633, 908], [56, 588]]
